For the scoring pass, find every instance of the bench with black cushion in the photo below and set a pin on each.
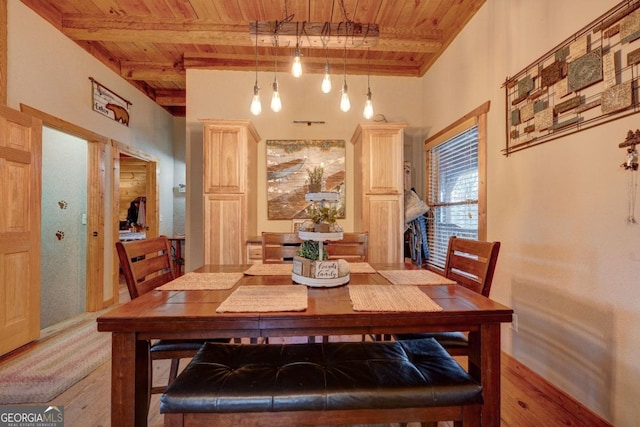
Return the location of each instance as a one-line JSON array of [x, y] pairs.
[[322, 383]]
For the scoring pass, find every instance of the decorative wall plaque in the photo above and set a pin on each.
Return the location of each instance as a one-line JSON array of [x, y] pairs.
[[633, 57], [616, 98], [544, 119], [579, 47], [630, 26], [526, 112], [583, 82], [109, 104], [561, 88], [585, 71], [567, 105], [552, 74], [515, 117], [609, 69], [612, 31], [525, 86]]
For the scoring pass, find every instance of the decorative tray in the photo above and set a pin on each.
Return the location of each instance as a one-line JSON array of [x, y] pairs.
[[320, 283], [320, 237], [325, 196]]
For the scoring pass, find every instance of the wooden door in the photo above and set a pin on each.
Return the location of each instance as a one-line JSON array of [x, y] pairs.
[[20, 191]]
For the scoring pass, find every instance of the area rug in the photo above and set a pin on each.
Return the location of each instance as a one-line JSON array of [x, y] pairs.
[[50, 368]]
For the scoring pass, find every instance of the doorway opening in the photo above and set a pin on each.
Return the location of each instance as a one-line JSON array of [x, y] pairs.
[[135, 199], [63, 233]]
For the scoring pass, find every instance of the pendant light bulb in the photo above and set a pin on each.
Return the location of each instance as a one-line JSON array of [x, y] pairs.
[[296, 67], [368, 106], [345, 104], [256, 105], [276, 103], [326, 81]]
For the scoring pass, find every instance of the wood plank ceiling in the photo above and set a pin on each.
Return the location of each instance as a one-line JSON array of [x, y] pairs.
[[151, 43]]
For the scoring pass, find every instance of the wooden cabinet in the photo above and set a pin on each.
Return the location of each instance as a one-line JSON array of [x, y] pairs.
[[378, 185], [230, 151]]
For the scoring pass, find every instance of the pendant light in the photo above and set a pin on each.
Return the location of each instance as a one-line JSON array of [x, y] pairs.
[[345, 104], [296, 66], [276, 103], [326, 81], [368, 105], [256, 105]]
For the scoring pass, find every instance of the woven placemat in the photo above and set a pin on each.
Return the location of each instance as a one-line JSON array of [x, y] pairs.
[[202, 282], [269, 270], [415, 277], [263, 298], [390, 298], [360, 267]]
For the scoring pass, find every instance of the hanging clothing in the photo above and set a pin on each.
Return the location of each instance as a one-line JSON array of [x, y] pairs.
[[142, 213], [132, 213], [418, 244]]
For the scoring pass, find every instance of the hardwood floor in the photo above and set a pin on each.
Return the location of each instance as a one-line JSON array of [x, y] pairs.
[[527, 400]]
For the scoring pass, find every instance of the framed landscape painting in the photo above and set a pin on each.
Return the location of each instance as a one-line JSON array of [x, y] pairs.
[[288, 165]]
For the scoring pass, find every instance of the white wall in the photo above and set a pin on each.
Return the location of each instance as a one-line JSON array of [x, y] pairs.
[[569, 262], [227, 95], [51, 73]]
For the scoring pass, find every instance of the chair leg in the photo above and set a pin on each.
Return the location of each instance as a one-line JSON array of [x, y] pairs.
[[173, 371]]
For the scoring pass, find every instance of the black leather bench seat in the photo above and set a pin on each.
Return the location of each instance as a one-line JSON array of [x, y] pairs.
[[237, 378]]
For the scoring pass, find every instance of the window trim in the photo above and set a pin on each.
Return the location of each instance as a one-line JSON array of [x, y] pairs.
[[477, 116]]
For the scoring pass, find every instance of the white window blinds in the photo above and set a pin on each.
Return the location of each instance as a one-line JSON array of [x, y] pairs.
[[453, 193]]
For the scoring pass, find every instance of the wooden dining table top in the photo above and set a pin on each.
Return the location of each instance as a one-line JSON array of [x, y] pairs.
[[328, 308]]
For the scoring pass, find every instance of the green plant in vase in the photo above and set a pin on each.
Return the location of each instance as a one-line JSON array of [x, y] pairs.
[[322, 217], [315, 179], [309, 249]]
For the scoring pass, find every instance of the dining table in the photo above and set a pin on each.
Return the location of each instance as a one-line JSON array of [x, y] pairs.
[[193, 310]]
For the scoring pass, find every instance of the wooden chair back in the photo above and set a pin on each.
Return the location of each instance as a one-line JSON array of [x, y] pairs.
[[146, 264], [471, 263], [353, 247], [279, 248]]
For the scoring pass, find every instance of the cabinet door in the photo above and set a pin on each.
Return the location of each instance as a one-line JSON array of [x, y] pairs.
[[224, 160], [383, 218], [383, 162], [224, 222]]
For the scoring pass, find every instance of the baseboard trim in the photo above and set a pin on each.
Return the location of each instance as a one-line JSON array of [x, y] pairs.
[[568, 407]]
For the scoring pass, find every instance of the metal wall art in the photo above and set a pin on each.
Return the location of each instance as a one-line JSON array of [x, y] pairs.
[[589, 79], [109, 104]]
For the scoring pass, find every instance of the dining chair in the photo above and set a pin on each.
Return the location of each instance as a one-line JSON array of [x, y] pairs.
[[278, 248], [353, 247], [147, 264], [471, 263]]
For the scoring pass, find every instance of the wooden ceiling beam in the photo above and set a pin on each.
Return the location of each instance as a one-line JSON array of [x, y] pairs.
[[313, 65], [124, 29], [152, 71], [171, 97]]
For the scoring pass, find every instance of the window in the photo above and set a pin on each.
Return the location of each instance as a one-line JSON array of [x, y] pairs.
[[455, 185]]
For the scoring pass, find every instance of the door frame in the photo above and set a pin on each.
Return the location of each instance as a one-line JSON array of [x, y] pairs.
[[153, 197], [96, 183]]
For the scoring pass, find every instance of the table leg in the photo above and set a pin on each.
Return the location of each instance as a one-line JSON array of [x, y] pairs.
[[484, 365], [129, 380]]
